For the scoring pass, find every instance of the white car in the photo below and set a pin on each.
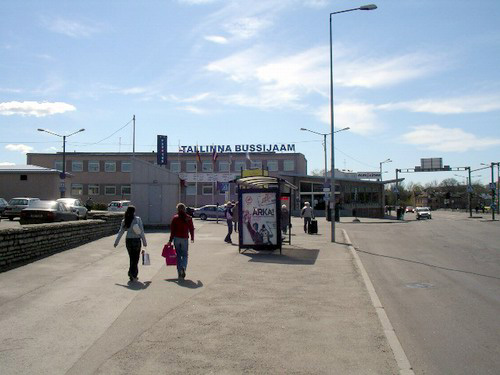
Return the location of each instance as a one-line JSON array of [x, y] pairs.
[[423, 213], [76, 206], [119, 206]]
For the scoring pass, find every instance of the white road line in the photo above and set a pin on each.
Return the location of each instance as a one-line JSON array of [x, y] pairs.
[[399, 354]]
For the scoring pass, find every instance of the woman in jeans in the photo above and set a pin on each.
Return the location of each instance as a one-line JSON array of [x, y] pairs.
[[180, 229], [135, 233]]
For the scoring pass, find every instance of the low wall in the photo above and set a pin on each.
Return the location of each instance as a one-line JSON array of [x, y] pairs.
[[21, 245]]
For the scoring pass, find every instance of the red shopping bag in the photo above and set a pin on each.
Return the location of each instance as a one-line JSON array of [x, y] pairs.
[[170, 255]]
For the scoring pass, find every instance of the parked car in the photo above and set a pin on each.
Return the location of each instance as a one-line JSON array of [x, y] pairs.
[[410, 209], [16, 205], [3, 205], [423, 213], [189, 210], [76, 206], [47, 212], [209, 211], [120, 206]]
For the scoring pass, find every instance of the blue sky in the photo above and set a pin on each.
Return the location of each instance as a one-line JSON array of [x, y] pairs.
[[412, 79]]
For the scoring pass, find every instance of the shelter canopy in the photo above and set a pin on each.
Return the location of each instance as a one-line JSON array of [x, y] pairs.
[[263, 182]]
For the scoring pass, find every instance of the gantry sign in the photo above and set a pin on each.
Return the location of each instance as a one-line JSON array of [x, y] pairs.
[[434, 165]]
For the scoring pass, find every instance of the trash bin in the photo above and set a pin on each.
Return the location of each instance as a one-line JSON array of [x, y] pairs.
[[337, 212], [329, 214], [398, 214]]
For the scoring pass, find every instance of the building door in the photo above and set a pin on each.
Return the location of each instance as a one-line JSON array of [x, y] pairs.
[[155, 204]]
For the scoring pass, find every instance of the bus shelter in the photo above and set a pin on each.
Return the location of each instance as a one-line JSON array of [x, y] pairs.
[[260, 201]]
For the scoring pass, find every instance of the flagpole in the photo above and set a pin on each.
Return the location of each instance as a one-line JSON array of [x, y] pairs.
[[213, 174], [179, 161], [198, 158]]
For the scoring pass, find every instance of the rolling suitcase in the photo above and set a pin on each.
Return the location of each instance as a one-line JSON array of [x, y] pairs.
[[313, 227]]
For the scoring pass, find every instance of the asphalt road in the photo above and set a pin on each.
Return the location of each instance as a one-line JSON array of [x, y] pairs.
[[439, 281]]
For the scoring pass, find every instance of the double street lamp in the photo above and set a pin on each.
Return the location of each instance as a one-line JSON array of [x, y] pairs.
[[324, 148], [332, 178], [63, 175]]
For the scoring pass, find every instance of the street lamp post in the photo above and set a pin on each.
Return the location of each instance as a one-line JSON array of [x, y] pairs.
[[332, 176], [63, 175], [383, 186], [324, 148]]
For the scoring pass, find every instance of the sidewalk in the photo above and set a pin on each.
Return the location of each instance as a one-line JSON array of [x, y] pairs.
[[306, 311]]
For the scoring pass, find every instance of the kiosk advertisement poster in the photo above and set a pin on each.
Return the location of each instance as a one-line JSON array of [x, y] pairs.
[[259, 218]]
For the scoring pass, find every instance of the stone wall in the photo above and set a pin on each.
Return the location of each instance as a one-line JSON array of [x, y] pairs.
[[21, 245]]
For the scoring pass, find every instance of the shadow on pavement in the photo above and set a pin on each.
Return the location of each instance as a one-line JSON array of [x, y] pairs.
[[135, 285], [186, 283], [426, 264], [296, 255]]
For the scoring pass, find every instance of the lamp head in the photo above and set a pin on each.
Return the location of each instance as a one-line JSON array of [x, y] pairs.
[[303, 129], [81, 130], [368, 7], [40, 130]]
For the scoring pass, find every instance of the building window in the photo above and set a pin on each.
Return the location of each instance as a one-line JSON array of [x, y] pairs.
[[256, 164], [191, 188], [110, 166], [223, 166], [77, 166], [305, 187], [239, 165], [94, 166], [190, 166], [175, 167], [272, 165], [76, 189], [126, 166], [110, 190], [126, 190], [58, 164], [93, 189], [288, 165], [23, 177], [207, 189], [206, 166]]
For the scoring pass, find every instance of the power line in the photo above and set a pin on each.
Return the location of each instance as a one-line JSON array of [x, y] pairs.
[[109, 136]]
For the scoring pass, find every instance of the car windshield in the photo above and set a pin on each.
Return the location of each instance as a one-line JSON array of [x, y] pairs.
[[67, 201], [18, 202], [45, 205]]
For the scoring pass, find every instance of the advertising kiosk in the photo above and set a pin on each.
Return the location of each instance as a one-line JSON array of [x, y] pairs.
[[259, 203]]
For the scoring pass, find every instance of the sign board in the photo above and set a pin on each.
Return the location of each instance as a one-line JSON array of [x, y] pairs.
[[470, 189], [492, 186], [395, 190], [208, 177], [161, 149], [431, 163], [254, 172], [261, 147], [223, 186], [326, 189], [368, 175], [260, 217], [62, 175]]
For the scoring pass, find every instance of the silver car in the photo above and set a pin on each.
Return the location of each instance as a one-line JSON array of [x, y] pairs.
[[3, 205], [120, 206], [423, 213], [76, 206], [16, 205], [209, 211]]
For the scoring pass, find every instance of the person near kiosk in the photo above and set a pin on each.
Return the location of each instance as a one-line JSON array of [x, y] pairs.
[[308, 214]]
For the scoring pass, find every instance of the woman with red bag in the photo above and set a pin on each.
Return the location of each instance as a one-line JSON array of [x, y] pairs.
[[180, 229]]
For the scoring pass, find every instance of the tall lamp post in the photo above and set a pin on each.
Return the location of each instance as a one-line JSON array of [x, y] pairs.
[[63, 175], [383, 186], [332, 176], [492, 188], [324, 148]]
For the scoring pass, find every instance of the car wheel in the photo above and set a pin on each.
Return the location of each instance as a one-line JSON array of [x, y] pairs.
[[203, 217], [11, 218]]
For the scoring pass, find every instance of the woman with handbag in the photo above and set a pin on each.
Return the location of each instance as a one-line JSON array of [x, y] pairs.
[[135, 233], [180, 229]]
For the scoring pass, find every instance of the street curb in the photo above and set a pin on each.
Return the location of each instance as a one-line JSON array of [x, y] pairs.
[[399, 354]]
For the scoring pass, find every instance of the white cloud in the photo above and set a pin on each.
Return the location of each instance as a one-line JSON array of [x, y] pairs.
[[196, 2], [465, 104], [354, 71], [359, 117], [191, 99], [37, 109], [438, 138], [247, 27], [192, 109], [19, 148], [216, 39], [6, 163], [71, 28], [134, 90]]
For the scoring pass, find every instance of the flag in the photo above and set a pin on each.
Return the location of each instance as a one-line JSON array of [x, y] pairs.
[[198, 156], [214, 155], [248, 156]]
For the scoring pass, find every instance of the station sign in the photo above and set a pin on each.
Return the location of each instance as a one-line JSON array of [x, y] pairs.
[[368, 175], [161, 149]]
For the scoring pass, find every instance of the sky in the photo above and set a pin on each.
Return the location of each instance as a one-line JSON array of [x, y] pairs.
[[412, 79]]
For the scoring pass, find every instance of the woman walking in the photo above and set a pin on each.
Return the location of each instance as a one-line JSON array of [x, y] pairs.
[[135, 233], [180, 229]]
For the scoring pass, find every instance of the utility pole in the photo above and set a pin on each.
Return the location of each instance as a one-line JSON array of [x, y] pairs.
[[133, 138], [493, 191], [469, 189]]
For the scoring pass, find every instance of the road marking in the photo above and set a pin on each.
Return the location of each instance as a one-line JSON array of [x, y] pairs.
[[398, 351]]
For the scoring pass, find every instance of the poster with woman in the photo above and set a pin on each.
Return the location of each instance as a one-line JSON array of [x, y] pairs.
[[259, 218]]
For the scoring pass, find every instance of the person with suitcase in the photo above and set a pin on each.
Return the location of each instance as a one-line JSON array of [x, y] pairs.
[[308, 214], [180, 230]]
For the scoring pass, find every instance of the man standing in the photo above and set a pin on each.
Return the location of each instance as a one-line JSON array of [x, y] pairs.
[[228, 214], [307, 214]]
